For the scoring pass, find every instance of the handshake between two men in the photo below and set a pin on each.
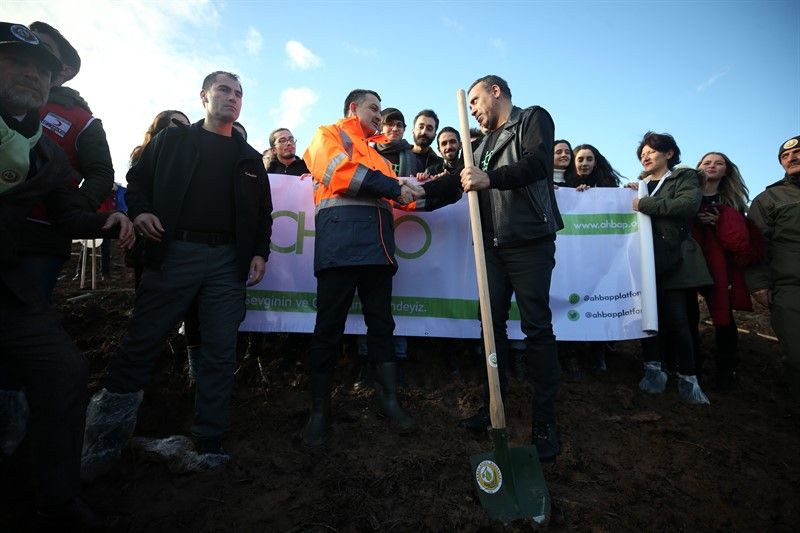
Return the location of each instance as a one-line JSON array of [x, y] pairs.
[[466, 180]]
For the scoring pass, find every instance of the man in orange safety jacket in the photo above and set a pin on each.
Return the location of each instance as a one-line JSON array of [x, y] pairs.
[[354, 188]]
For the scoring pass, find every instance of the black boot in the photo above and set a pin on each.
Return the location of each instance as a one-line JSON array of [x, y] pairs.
[[478, 422], [386, 379], [320, 416], [545, 437]]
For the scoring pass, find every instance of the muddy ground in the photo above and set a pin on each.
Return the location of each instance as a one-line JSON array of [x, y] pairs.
[[629, 462]]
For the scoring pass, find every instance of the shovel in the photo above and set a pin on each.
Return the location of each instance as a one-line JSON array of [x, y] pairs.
[[509, 481]]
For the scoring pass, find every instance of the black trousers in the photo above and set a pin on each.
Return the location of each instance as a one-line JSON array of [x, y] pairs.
[[674, 334], [526, 271], [335, 290], [37, 353], [726, 337]]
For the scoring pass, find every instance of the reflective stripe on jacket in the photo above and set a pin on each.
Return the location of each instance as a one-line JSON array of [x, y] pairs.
[[353, 228]]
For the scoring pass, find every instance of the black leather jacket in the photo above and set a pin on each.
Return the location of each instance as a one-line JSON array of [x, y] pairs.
[[529, 210]]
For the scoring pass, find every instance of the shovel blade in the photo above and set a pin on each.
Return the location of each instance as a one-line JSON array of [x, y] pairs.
[[510, 483]]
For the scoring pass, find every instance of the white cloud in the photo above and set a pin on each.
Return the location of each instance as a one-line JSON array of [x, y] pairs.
[[295, 107], [300, 57], [712, 80], [451, 23], [254, 41], [362, 52], [196, 12], [137, 60], [499, 45]]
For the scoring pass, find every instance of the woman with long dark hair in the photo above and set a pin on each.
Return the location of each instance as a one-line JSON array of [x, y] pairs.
[[165, 119], [562, 160], [590, 169], [728, 244], [673, 200]]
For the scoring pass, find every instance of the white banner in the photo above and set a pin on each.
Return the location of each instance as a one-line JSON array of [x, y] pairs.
[[595, 292]]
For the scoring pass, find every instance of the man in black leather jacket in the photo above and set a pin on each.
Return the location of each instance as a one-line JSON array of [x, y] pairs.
[[519, 216]]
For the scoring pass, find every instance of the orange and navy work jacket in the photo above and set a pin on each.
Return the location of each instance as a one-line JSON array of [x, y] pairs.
[[353, 188]]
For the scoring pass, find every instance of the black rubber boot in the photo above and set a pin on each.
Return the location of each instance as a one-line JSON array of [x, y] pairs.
[[320, 417], [386, 380]]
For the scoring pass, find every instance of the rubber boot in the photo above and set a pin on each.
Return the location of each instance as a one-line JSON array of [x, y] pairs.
[[320, 416], [386, 379]]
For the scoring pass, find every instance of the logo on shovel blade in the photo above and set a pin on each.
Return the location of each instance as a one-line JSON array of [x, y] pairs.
[[489, 477]]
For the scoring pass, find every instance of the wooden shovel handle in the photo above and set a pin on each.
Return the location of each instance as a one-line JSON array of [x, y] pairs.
[[496, 411]]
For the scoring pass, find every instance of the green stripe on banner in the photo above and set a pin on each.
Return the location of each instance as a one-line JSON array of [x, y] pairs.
[[599, 224], [304, 302]]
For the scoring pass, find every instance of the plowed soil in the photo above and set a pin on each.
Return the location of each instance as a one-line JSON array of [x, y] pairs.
[[629, 461]]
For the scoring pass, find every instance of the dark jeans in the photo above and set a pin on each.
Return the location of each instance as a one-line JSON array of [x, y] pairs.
[[526, 271], [43, 270], [189, 271], [674, 333], [335, 290], [37, 353]]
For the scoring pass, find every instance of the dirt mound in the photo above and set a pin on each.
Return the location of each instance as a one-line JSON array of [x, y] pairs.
[[630, 461]]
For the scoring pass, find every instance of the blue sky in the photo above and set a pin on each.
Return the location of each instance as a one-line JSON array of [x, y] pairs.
[[722, 76]]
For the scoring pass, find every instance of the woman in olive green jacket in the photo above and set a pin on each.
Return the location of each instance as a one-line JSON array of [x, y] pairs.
[[674, 198]]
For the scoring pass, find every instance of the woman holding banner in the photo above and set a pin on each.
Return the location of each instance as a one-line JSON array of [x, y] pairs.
[[588, 168], [674, 198], [729, 244]]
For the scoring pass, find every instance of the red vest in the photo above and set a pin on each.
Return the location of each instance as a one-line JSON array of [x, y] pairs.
[[63, 125]]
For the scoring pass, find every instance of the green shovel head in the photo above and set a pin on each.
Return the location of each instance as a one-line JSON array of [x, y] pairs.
[[510, 482]]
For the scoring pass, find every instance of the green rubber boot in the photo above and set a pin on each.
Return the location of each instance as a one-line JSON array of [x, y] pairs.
[[386, 379], [320, 417]]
